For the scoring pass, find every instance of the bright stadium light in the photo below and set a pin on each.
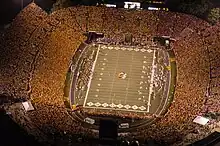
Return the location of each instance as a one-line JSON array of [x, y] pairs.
[[110, 5], [153, 8], [132, 5]]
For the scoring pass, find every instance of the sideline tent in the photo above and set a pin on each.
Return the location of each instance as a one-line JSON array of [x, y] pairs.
[[201, 120], [27, 106]]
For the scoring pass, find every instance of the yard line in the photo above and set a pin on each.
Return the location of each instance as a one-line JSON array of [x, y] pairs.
[[151, 83], [105, 90], [132, 57], [90, 77], [114, 75]]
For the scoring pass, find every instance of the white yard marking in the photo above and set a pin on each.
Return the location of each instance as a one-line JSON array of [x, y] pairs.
[[112, 105], [151, 82], [90, 77], [114, 75], [130, 70]]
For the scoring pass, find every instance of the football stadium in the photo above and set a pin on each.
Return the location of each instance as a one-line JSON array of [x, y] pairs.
[[147, 74], [132, 81]]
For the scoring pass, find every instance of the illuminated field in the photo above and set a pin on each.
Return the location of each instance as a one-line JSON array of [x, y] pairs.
[[124, 78]]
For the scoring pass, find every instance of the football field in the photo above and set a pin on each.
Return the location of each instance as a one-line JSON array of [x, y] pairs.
[[122, 79]]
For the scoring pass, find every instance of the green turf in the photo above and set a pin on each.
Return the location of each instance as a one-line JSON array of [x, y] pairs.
[[172, 81]]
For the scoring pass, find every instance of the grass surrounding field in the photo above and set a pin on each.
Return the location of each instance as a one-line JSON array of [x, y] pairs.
[[67, 89], [172, 80]]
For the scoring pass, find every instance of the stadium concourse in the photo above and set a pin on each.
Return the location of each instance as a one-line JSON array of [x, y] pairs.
[[37, 48]]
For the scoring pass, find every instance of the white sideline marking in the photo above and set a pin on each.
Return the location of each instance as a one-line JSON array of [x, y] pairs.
[[90, 77], [151, 83], [116, 108]]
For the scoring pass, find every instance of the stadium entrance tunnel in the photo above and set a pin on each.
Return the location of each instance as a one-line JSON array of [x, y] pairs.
[[133, 84]]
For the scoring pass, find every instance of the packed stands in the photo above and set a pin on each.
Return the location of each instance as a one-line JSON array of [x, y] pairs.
[[40, 47], [18, 53]]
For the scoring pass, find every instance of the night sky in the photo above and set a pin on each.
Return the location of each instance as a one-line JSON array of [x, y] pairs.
[[10, 8]]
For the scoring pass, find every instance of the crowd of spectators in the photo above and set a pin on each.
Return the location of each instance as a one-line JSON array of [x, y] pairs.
[[17, 53], [211, 40], [189, 94], [118, 113], [49, 41]]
